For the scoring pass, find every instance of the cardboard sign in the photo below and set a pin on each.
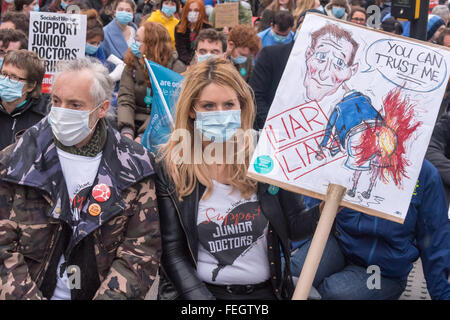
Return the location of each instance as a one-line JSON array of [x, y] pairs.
[[56, 37], [355, 107], [227, 15]]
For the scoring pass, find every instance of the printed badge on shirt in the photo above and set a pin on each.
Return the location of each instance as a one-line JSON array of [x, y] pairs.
[[231, 234]]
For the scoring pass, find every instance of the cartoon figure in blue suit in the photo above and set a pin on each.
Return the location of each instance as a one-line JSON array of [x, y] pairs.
[[330, 63]]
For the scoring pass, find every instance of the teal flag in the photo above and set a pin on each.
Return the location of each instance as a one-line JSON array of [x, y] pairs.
[[166, 85]]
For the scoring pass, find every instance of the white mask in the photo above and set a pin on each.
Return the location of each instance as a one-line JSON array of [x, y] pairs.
[[69, 126], [192, 16]]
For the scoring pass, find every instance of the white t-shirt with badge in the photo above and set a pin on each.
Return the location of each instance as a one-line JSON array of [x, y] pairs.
[[79, 173], [232, 234]]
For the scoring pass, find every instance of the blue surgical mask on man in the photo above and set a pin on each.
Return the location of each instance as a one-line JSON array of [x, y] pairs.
[[10, 90], [91, 49], [203, 57], [218, 126], [168, 11], [238, 59], [124, 17], [36, 8], [135, 48], [278, 38], [63, 5], [338, 12]]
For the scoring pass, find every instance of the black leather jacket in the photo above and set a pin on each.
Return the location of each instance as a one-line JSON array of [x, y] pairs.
[[285, 211]]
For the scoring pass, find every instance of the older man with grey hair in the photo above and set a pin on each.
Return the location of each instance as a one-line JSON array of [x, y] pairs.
[[78, 211]]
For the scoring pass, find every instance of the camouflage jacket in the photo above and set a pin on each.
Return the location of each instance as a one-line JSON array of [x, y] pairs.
[[34, 203]]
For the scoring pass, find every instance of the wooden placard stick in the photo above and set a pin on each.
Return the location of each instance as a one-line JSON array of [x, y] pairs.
[[334, 196]]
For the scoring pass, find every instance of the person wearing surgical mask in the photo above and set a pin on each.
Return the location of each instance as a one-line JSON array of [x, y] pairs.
[[22, 103], [193, 20], [85, 196], [243, 45], [209, 250], [94, 35], [119, 33], [135, 96], [279, 31], [210, 43], [338, 9], [167, 14]]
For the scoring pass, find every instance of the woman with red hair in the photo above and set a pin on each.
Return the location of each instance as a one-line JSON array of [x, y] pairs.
[[134, 101], [193, 19]]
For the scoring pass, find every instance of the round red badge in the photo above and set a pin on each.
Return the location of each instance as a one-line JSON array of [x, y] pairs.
[[101, 192], [94, 209]]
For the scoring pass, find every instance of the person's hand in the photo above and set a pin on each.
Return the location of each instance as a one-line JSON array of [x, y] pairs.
[[138, 139]]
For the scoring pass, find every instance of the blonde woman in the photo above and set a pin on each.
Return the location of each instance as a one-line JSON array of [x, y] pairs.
[[222, 232], [303, 5]]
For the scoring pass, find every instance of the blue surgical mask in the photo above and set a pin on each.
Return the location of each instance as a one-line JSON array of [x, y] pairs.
[[239, 59], [168, 11], [218, 126], [338, 12], [203, 57], [124, 17], [135, 46], [10, 90], [63, 5], [278, 38], [36, 8], [1, 63], [91, 49]]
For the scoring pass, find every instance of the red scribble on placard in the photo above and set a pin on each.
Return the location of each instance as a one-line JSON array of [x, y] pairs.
[[300, 131]]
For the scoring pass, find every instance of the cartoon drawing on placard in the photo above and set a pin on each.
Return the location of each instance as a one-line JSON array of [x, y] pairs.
[[354, 107], [373, 139]]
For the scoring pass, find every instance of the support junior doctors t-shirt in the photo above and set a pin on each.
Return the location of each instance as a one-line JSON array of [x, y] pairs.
[[233, 238]]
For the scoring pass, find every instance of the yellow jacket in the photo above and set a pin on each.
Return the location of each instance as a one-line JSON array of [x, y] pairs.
[[168, 23]]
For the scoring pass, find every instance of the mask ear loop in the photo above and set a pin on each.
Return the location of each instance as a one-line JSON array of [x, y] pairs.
[[95, 124]]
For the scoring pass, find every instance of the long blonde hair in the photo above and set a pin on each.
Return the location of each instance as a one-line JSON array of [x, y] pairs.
[[275, 6], [302, 6], [186, 173]]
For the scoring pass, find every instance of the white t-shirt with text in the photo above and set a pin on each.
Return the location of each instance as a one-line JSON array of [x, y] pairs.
[[233, 238]]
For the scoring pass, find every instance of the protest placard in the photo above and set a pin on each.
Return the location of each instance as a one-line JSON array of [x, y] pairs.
[[355, 107], [350, 123], [56, 37], [227, 14]]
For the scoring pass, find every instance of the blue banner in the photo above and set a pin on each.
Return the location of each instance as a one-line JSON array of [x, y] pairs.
[[166, 86]]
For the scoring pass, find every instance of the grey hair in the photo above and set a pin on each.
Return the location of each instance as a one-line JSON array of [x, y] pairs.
[[441, 11], [102, 84]]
